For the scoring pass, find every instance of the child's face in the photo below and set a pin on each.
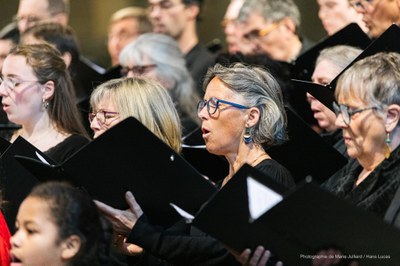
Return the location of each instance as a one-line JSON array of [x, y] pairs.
[[35, 241]]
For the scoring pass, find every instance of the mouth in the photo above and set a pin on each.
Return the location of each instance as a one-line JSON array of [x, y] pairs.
[[14, 260], [205, 132]]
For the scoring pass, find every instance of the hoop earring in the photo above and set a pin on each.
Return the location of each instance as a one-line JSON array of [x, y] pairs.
[[45, 104], [247, 135], [387, 141]]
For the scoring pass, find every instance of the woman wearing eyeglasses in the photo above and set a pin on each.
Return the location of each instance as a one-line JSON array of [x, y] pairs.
[[368, 112], [159, 57], [37, 94], [242, 112]]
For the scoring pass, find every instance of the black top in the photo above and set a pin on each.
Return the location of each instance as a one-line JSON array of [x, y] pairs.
[[183, 244], [276, 171], [198, 60], [376, 192], [66, 148]]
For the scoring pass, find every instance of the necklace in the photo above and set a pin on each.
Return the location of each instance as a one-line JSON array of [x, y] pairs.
[[255, 160]]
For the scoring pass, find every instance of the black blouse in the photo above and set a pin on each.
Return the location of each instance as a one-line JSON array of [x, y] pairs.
[[374, 193]]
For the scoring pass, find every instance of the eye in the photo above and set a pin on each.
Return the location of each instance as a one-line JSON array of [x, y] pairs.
[[213, 102]]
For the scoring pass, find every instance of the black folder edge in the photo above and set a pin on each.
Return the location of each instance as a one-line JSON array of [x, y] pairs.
[[16, 181], [307, 220], [387, 42], [306, 153], [351, 35], [71, 170]]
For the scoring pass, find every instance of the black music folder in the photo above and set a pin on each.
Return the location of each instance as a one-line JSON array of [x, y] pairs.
[[295, 225], [4, 144], [306, 153], [194, 151], [130, 157], [387, 42], [16, 181], [351, 35]]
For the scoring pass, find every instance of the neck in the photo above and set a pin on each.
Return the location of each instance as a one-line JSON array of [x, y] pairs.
[[294, 49], [250, 154], [188, 39]]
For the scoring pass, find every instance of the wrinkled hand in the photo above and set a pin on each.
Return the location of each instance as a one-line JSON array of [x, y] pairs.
[[122, 221], [125, 248]]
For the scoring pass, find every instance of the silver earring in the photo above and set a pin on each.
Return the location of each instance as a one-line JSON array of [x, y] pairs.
[[45, 104]]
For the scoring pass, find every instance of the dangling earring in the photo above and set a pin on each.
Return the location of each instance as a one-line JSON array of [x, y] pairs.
[[45, 104], [388, 141], [247, 135]]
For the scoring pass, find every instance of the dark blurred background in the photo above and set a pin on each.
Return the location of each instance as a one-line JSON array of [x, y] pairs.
[[89, 18]]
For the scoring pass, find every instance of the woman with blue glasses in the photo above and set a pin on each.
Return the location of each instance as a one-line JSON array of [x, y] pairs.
[[242, 112], [368, 112]]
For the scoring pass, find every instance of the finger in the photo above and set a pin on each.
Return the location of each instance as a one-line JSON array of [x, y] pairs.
[[104, 208], [133, 205], [244, 256], [264, 259], [256, 255]]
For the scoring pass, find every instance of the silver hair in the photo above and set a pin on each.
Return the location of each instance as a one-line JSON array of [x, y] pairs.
[[339, 55], [375, 80], [260, 89], [271, 10], [164, 51]]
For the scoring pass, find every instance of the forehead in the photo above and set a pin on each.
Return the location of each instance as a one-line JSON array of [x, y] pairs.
[[33, 7], [34, 209], [217, 88], [128, 23]]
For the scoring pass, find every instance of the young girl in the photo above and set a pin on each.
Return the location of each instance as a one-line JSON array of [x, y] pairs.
[[58, 225]]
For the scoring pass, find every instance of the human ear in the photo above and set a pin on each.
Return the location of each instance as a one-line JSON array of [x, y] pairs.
[[48, 88], [193, 11], [289, 24], [253, 117], [392, 117], [67, 57], [70, 247]]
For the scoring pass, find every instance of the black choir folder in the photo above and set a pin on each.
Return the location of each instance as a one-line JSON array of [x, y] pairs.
[[15, 180], [306, 153], [299, 223], [387, 42], [129, 157]]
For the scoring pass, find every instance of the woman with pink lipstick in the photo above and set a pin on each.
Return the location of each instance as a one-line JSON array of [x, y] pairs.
[[37, 94], [368, 112]]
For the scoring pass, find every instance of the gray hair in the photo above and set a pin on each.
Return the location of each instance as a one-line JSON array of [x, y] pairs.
[[259, 89], [375, 80], [164, 51], [339, 55], [271, 10]]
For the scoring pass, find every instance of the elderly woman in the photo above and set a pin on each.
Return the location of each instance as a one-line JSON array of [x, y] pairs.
[[242, 111], [330, 62], [37, 93], [158, 56], [368, 112]]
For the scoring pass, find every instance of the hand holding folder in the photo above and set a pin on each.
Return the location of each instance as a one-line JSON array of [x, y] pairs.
[[128, 157], [305, 221]]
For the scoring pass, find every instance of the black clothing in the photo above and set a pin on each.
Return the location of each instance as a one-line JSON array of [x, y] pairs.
[[374, 193], [66, 148], [183, 244], [198, 60], [336, 140], [392, 215]]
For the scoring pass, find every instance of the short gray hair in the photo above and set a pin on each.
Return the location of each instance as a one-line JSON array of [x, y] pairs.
[[272, 10], [260, 89], [375, 80], [339, 55]]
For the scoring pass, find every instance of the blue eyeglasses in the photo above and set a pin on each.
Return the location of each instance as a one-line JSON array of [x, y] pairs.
[[213, 104], [347, 114]]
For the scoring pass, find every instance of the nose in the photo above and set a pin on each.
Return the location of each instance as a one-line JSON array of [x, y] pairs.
[[3, 90], [15, 240], [339, 122], [94, 125], [203, 114]]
